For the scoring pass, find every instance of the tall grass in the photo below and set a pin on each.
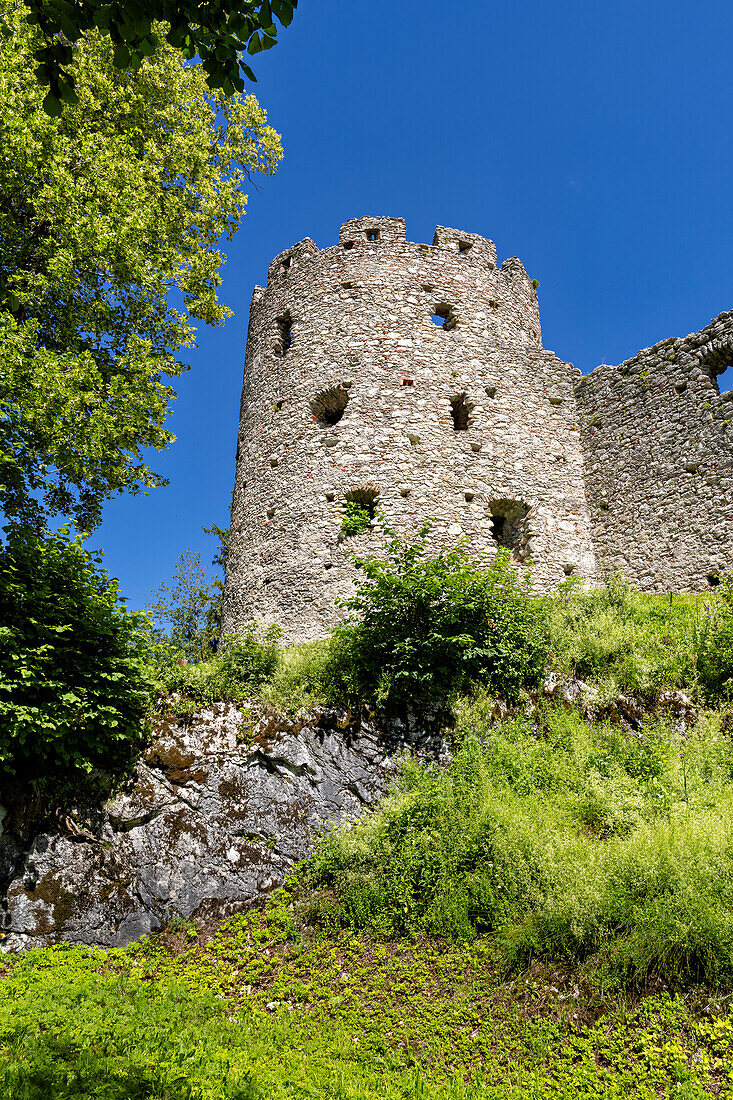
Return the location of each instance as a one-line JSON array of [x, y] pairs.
[[572, 840]]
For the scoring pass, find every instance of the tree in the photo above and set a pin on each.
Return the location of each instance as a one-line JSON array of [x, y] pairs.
[[74, 689], [104, 212], [185, 608], [220, 560], [219, 32], [191, 608]]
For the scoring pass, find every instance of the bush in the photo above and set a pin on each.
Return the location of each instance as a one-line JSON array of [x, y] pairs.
[[303, 677], [73, 688], [714, 643], [243, 663], [622, 638], [429, 627], [357, 518]]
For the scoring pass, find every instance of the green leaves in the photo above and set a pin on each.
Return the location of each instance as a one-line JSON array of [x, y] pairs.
[[428, 627], [110, 200], [221, 31], [74, 691]]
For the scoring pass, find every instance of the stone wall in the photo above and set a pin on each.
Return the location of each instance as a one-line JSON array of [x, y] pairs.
[[351, 391], [659, 461]]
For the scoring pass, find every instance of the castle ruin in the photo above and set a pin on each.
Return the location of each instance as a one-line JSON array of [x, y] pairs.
[[410, 380]]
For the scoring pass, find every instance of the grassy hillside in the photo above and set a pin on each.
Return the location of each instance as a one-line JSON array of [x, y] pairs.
[[550, 914]]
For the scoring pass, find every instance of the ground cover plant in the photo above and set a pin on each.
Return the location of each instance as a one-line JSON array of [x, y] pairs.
[[260, 1011]]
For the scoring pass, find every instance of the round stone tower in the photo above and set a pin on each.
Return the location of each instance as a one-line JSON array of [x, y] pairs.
[[389, 383]]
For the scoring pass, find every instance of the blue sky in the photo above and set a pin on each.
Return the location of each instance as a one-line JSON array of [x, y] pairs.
[[593, 141]]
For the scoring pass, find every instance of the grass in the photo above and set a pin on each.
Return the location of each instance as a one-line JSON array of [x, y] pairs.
[[563, 838]]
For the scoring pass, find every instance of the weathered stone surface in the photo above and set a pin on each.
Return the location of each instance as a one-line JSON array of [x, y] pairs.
[[350, 388], [658, 455], [215, 815]]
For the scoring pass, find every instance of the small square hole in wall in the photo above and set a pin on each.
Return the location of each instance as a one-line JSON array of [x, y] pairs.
[[407, 381], [348, 244], [287, 264], [464, 247], [713, 579], [372, 234], [680, 387], [444, 317]]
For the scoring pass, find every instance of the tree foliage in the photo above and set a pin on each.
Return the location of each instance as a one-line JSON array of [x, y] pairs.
[[429, 627], [218, 31], [104, 213], [186, 610], [73, 687]]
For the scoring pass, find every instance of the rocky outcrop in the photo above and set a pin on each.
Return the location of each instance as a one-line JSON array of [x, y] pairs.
[[215, 814]]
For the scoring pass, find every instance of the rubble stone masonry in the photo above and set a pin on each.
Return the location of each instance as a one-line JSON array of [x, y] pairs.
[[659, 461], [411, 379]]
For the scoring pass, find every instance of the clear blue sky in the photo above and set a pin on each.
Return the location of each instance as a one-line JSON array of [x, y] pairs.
[[594, 141]]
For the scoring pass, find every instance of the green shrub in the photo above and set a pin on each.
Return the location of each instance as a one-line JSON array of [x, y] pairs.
[[714, 643], [428, 627], [303, 677], [357, 518], [74, 692], [243, 663], [622, 638]]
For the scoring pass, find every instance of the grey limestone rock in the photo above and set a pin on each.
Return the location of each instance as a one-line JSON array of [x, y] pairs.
[[214, 816]]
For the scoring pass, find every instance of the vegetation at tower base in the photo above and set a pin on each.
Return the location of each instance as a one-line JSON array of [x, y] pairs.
[[428, 627], [75, 687], [217, 33], [103, 212]]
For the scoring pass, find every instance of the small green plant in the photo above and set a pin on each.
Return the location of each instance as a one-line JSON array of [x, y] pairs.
[[357, 518]]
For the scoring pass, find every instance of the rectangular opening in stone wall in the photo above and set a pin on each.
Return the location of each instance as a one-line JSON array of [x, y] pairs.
[[509, 526], [460, 410], [284, 333], [443, 317], [287, 264], [348, 244], [498, 523], [680, 387], [464, 247], [372, 234]]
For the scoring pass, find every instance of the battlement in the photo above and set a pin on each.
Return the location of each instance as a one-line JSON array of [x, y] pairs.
[[374, 230]]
